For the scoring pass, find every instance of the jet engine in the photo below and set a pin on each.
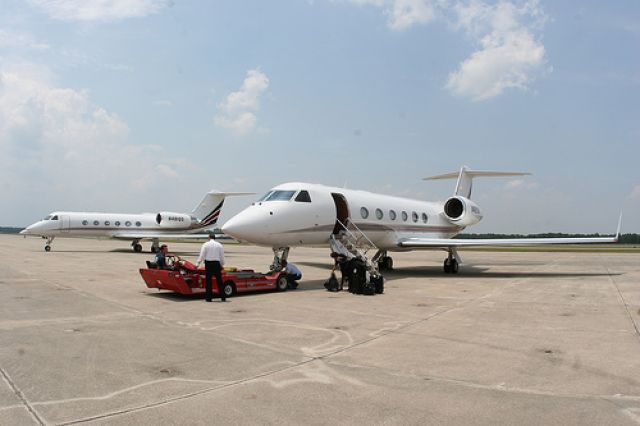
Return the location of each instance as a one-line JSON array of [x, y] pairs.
[[175, 220], [462, 211]]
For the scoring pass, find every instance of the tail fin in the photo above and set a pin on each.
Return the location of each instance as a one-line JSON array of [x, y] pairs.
[[465, 178], [208, 211]]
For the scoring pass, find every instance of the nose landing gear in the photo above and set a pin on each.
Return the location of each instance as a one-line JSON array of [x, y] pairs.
[[47, 246], [279, 254]]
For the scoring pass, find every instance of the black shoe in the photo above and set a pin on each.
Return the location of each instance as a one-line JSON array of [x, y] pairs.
[[207, 300], [223, 300]]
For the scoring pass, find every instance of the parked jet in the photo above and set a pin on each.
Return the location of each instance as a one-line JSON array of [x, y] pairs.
[[303, 214], [133, 227]]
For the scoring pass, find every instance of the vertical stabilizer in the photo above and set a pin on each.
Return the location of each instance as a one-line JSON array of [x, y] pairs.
[[465, 179], [208, 211]]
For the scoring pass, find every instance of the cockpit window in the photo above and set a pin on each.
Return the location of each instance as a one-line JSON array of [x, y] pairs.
[[55, 217], [264, 197], [47, 218], [303, 197], [280, 196]]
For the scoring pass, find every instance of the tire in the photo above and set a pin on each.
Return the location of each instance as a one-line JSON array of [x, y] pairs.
[[229, 289], [388, 263], [447, 266], [154, 249], [137, 248], [282, 283], [454, 266]]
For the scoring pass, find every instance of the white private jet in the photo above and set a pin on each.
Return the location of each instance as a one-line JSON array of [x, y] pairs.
[[133, 227], [301, 214]]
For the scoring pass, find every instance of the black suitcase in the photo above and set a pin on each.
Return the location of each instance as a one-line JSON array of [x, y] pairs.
[[368, 289], [378, 283], [357, 276]]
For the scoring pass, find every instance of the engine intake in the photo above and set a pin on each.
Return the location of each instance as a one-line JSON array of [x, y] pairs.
[[175, 220], [462, 211]]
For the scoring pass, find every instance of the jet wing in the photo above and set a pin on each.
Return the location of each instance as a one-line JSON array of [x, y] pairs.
[[448, 242], [159, 235]]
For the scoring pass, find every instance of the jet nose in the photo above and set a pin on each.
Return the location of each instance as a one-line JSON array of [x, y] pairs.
[[242, 227]]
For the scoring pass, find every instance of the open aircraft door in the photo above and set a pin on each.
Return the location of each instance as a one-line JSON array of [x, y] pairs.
[[342, 211]]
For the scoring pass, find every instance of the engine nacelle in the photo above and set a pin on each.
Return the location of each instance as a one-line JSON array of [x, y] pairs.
[[175, 220], [462, 211]]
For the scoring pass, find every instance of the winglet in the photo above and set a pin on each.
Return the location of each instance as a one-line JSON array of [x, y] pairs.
[[619, 227]]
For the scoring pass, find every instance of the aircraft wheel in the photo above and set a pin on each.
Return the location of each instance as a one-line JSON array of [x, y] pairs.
[[137, 247], [229, 289], [47, 248], [388, 263], [454, 266], [282, 283], [154, 249], [447, 266]]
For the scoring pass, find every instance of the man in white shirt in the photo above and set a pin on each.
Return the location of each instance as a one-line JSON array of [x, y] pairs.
[[212, 253]]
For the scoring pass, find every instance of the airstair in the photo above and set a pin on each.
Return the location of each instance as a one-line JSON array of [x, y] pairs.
[[352, 242]]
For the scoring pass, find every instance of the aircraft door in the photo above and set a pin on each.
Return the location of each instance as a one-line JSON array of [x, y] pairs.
[[342, 211], [65, 223]]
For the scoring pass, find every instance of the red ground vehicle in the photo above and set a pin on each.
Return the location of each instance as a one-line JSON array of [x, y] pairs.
[[185, 278]]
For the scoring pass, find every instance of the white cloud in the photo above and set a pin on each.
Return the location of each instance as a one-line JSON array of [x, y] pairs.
[[235, 112], [509, 55], [635, 193], [406, 13], [101, 10], [13, 39], [520, 184], [58, 147]]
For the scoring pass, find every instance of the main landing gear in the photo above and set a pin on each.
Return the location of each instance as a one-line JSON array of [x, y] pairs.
[[136, 246], [47, 246], [451, 263], [279, 254], [155, 246]]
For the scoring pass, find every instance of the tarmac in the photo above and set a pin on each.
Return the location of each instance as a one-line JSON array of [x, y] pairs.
[[514, 338]]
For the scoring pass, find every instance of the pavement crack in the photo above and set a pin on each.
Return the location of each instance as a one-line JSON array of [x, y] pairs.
[[21, 397]]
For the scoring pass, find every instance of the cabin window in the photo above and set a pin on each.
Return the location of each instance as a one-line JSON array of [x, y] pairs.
[[392, 214], [127, 223], [138, 224], [364, 212], [379, 214], [280, 196], [303, 197], [414, 216], [107, 223], [117, 223], [96, 223], [424, 217], [85, 222], [405, 216]]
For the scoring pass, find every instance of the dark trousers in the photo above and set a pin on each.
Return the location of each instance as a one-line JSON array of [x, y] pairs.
[[211, 268]]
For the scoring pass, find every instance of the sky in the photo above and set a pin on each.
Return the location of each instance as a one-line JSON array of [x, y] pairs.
[[145, 105]]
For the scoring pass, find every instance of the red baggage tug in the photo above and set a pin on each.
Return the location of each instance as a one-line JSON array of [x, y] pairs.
[[185, 278]]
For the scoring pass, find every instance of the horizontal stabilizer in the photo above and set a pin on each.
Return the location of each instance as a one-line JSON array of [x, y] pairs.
[[465, 178]]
